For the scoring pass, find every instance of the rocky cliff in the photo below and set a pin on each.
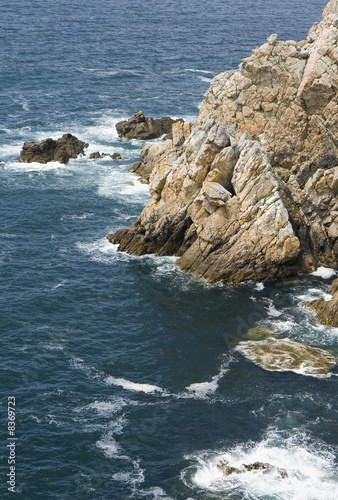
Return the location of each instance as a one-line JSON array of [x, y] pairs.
[[250, 191]]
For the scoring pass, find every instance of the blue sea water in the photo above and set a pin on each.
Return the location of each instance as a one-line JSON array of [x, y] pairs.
[[123, 371]]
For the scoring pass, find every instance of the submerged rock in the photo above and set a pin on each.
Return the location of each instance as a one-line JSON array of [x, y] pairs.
[[250, 191], [259, 332], [327, 311], [287, 355], [141, 127], [256, 466], [61, 150]]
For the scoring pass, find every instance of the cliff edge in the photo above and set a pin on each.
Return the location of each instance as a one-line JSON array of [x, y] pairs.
[[250, 191]]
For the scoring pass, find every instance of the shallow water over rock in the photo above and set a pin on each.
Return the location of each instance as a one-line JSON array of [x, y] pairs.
[[287, 355]]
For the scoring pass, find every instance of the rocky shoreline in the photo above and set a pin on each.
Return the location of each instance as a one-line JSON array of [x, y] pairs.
[[249, 192]]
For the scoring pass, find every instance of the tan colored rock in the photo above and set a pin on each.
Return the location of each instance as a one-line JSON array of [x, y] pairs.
[[282, 355], [250, 191], [327, 311], [234, 229], [150, 155]]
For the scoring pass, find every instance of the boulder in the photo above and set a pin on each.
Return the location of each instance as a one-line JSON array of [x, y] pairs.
[[283, 355], [256, 466], [144, 128], [97, 155], [326, 311], [61, 150]]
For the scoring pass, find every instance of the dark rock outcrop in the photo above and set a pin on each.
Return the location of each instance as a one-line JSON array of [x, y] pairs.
[[144, 128], [61, 150], [326, 311], [98, 156]]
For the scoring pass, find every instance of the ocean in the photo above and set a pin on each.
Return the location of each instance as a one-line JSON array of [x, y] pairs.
[[119, 378]]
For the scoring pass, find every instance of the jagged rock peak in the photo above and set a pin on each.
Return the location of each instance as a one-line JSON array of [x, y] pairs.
[[250, 191]]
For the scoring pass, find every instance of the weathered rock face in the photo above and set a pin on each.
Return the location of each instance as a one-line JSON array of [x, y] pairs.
[[151, 154], [251, 191], [61, 150], [141, 127], [218, 205], [285, 95], [327, 311], [282, 355]]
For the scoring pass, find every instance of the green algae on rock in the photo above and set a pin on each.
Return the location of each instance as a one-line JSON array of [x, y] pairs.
[[285, 354], [259, 332]]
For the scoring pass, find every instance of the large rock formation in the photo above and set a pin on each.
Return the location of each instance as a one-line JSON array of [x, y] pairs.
[[61, 150], [144, 128], [327, 311], [250, 192]]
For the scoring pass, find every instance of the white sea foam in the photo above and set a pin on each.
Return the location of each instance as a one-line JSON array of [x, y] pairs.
[[301, 470], [204, 79], [121, 185], [155, 493], [259, 287], [53, 347], [315, 293], [98, 250], [310, 294], [105, 252], [77, 217], [59, 285], [203, 390], [34, 166], [9, 150], [165, 265], [324, 272], [131, 477], [108, 407], [133, 386], [109, 445], [199, 71], [284, 326], [272, 311]]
